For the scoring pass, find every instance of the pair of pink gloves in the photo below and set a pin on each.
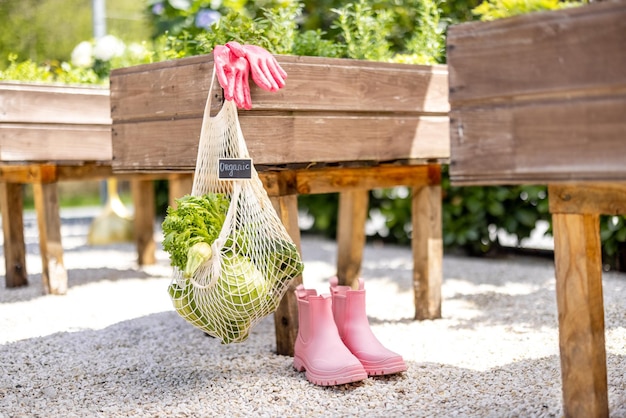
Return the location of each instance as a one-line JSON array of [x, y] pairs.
[[234, 63]]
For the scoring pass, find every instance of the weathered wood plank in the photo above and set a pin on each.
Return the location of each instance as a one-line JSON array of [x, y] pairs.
[[581, 314], [276, 140], [178, 89], [378, 111], [539, 98], [590, 198], [28, 103], [353, 213], [42, 122], [47, 173], [341, 179], [26, 173], [338, 179], [55, 142], [54, 274], [11, 207], [144, 218], [539, 143], [179, 186], [545, 54], [427, 248]]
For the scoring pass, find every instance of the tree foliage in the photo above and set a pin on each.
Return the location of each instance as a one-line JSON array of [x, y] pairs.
[[48, 30]]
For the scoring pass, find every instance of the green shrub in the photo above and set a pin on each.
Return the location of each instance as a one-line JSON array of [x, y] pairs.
[[408, 31], [497, 9]]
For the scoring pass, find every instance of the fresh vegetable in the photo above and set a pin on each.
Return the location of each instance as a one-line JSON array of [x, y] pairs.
[[285, 261], [241, 291], [254, 268], [241, 284], [198, 254], [185, 304], [195, 219]]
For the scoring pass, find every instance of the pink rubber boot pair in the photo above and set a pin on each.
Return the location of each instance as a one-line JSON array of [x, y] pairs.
[[335, 344]]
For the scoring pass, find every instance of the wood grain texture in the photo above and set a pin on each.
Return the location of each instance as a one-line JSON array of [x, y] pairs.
[[539, 98], [275, 140], [11, 207], [581, 314], [377, 111], [56, 104], [427, 248], [341, 179], [353, 213], [542, 54], [179, 185], [590, 198], [143, 222], [55, 142], [41, 122], [54, 274]]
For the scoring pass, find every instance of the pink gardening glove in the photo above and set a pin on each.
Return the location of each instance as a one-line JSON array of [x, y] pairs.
[[232, 73], [266, 72]]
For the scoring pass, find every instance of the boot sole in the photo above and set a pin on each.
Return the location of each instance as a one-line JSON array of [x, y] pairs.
[[389, 367], [346, 375]]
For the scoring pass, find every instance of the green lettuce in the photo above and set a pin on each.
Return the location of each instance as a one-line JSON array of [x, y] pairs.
[[195, 219]]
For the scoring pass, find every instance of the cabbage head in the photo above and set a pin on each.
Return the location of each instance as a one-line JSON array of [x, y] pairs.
[[241, 286]]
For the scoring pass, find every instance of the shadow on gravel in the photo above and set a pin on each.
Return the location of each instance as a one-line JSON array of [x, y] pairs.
[[75, 277], [157, 365]]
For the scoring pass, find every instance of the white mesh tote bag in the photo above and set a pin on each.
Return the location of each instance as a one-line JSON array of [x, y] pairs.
[[233, 258]]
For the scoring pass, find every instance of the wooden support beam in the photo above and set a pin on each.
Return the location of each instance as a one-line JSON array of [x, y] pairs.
[[286, 316], [179, 186], [11, 208], [596, 198], [144, 218], [581, 314], [427, 247], [53, 272], [353, 211], [340, 179]]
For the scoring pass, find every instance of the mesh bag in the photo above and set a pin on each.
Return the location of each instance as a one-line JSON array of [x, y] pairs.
[[239, 256]]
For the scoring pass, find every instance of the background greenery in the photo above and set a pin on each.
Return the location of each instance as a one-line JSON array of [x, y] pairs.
[[46, 31]]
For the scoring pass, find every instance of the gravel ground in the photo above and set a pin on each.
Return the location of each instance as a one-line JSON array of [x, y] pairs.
[[114, 346]]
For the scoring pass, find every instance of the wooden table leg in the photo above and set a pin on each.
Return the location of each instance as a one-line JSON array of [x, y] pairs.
[[179, 186], [353, 210], [11, 209], [427, 246], [578, 264], [143, 201], [53, 272], [286, 316]]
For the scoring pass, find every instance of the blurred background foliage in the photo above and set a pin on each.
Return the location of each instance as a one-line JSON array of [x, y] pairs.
[[39, 38]]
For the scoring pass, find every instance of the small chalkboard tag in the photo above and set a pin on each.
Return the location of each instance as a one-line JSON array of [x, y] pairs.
[[234, 168]]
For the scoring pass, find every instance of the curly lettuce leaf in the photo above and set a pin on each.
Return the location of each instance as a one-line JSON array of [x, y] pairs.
[[195, 219]]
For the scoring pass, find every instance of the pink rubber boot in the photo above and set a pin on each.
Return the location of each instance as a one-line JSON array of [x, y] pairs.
[[318, 348], [355, 332]]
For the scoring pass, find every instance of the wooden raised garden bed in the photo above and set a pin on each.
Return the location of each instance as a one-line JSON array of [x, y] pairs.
[[49, 133], [541, 99], [339, 125]]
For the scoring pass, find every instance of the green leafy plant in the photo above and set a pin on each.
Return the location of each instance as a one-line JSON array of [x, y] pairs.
[[360, 30], [51, 72], [497, 9], [472, 216], [195, 219]]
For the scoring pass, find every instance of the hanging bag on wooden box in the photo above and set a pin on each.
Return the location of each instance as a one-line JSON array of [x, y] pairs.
[[233, 258]]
